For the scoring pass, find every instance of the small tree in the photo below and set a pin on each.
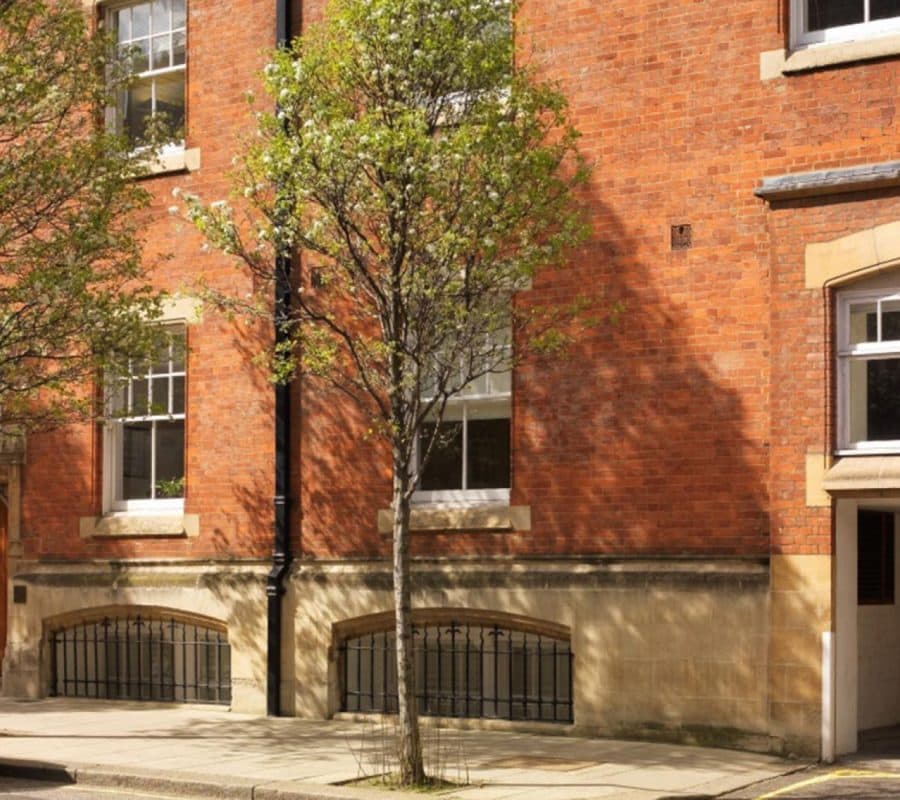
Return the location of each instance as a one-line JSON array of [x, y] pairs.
[[424, 181], [71, 298]]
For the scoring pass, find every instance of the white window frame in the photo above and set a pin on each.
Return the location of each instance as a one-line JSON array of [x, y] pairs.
[[113, 443], [460, 406], [801, 36], [863, 351], [113, 112]]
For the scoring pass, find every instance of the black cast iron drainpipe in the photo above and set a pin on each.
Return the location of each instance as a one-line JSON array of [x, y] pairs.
[[281, 551]]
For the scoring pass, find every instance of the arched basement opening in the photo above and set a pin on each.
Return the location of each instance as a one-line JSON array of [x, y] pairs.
[[140, 653], [468, 664]]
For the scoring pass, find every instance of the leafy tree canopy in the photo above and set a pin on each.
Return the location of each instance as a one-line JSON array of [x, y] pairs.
[[72, 299], [425, 180]]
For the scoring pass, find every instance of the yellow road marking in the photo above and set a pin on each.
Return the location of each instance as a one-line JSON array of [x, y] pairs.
[[834, 775], [793, 786]]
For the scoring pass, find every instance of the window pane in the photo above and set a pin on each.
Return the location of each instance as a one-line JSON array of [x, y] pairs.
[[177, 395], [863, 323], [429, 386], [178, 49], [119, 400], [160, 16], [123, 24], [170, 100], [137, 108], [488, 454], [823, 14], [140, 20], [160, 364], [161, 52], [177, 13], [884, 9], [477, 387], [160, 399], [139, 54], [501, 382], [139, 369], [140, 397], [170, 459], [136, 457], [883, 399], [890, 320], [178, 348], [444, 469], [858, 392]]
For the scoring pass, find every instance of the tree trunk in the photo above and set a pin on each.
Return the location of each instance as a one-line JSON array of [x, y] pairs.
[[409, 745]]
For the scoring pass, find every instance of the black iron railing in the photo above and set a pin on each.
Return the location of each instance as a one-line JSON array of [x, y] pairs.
[[463, 671], [142, 658]]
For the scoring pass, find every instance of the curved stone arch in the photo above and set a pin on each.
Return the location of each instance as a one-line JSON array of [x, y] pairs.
[[384, 621], [93, 614], [852, 257]]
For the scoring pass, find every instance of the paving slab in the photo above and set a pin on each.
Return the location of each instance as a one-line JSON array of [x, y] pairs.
[[212, 752]]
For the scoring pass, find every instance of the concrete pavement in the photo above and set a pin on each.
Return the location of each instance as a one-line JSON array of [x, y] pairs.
[[214, 753]]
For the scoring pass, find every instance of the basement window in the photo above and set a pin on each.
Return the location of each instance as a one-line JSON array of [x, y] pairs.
[[138, 657], [463, 670]]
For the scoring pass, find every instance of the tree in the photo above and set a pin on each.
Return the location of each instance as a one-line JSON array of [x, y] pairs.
[[424, 181], [72, 298]]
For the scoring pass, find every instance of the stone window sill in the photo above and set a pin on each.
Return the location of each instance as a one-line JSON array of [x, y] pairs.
[[501, 517], [139, 526], [173, 161], [777, 63]]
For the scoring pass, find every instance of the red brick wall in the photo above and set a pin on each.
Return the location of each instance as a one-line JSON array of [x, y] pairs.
[[682, 429], [229, 412], [803, 356]]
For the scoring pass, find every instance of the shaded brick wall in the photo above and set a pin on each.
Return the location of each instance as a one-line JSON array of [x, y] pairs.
[[682, 429], [229, 415]]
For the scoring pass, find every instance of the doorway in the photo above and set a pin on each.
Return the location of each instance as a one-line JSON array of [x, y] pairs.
[[867, 625]]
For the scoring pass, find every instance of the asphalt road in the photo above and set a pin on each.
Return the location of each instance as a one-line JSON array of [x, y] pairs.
[[19, 789], [818, 783]]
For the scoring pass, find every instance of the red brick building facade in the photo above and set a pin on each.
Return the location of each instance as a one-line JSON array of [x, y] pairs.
[[702, 495]]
